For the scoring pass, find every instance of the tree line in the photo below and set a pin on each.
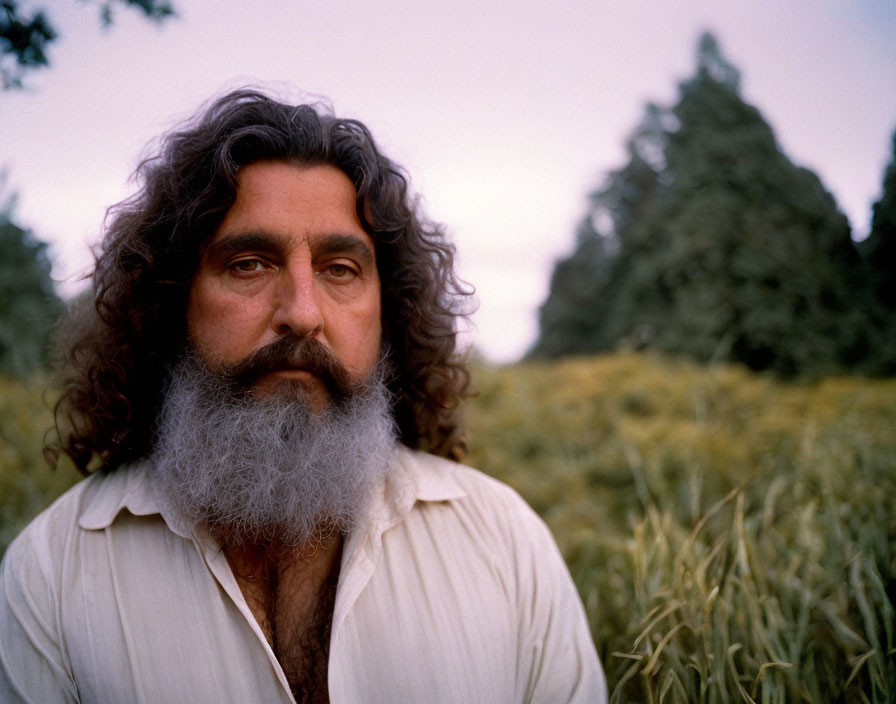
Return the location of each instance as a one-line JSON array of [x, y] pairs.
[[29, 304], [710, 243]]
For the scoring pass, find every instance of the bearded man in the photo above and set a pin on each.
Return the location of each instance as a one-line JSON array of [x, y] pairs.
[[265, 398]]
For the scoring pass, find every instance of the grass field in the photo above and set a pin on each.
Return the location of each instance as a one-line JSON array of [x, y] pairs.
[[733, 537]]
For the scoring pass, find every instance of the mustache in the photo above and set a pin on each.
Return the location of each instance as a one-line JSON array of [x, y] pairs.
[[293, 352]]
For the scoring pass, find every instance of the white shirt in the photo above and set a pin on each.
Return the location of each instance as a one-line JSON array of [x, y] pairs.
[[453, 590]]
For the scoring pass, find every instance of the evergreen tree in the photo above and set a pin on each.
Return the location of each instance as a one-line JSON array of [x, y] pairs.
[[879, 252], [583, 312], [29, 306], [732, 252], [880, 247], [570, 319]]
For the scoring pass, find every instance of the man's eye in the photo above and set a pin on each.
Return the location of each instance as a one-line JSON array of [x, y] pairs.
[[247, 266], [340, 272]]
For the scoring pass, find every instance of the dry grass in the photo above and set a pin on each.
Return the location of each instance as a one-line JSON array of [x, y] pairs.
[[27, 485], [732, 537]]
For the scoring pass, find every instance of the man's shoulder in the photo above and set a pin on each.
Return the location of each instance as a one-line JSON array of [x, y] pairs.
[[463, 491], [460, 480], [61, 515], [58, 524], [31, 563]]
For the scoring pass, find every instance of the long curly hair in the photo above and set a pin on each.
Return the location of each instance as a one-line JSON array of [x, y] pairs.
[[118, 353]]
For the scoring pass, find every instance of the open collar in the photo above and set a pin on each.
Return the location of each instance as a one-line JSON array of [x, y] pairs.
[[414, 476]]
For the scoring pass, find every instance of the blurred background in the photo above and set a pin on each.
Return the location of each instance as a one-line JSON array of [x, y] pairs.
[[505, 115], [680, 219]]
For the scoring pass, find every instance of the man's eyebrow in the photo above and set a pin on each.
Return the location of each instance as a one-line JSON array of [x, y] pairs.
[[239, 242], [337, 243], [344, 244]]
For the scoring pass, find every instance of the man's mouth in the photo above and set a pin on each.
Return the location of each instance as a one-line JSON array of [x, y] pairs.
[[296, 373]]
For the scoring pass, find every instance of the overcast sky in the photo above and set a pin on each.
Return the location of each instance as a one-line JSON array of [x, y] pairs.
[[504, 113]]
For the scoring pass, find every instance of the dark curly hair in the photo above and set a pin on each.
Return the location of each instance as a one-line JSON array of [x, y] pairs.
[[118, 353]]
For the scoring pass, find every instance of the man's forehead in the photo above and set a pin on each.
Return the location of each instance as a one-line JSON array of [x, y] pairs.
[[276, 198]]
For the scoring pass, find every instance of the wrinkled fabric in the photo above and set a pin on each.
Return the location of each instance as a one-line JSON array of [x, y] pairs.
[[452, 590]]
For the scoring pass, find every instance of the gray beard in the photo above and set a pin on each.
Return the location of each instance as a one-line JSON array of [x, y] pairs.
[[265, 470]]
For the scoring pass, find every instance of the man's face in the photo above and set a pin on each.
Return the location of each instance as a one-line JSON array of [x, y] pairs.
[[290, 258]]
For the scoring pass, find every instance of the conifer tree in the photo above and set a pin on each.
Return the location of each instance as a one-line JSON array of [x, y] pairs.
[[583, 312], [879, 252], [733, 253], [880, 247], [29, 306]]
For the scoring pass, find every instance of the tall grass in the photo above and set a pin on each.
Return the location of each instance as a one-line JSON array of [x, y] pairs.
[[27, 484], [732, 537]]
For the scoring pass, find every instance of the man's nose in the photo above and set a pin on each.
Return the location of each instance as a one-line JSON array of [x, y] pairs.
[[297, 308]]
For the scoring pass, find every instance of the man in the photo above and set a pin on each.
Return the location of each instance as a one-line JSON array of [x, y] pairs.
[[266, 398]]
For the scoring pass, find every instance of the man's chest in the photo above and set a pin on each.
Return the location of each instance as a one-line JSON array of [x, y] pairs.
[[162, 623]]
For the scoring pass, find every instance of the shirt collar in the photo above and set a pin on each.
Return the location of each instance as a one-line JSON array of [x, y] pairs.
[[435, 476], [414, 476], [128, 487]]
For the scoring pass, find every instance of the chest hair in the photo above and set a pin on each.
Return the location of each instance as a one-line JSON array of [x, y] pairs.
[[292, 594]]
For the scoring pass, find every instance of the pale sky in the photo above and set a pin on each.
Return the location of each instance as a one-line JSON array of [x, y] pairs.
[[505, 114]]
